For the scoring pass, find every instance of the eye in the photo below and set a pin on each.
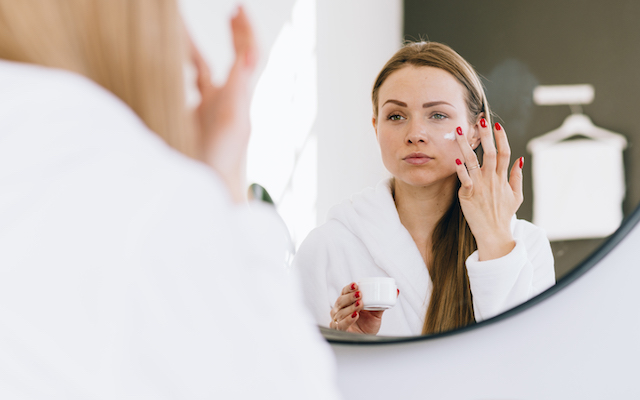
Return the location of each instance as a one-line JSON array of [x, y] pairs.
[[438, 116], [395, 117]]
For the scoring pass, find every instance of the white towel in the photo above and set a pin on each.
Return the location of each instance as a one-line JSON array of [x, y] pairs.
[[578, 188]]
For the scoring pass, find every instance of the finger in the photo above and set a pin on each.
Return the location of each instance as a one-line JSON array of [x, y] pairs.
[[347, 300], [352, 287], [345, 312], [488, 146], [244, 41], [466, 183], [203, 72], [504, 151], [470, 157], [515, 180], [342, 324]]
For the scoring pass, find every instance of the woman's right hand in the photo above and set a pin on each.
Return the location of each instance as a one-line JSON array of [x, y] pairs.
[[348, 315], [222, 118]]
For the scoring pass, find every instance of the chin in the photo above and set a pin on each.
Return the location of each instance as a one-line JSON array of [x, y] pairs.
[[424, 178]]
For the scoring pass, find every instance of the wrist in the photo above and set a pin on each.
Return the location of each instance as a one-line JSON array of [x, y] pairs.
[[494, 247]]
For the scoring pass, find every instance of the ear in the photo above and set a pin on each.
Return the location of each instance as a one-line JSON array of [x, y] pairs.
[[474, 138], [375, 126]]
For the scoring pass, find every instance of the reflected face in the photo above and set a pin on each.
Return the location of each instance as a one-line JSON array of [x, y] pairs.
[[419, 109]]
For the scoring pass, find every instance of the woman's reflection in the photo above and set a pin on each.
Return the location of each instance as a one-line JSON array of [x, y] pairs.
[[443, 226]]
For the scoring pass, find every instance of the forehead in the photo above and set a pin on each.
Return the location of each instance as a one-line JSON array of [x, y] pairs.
[[422, 84]]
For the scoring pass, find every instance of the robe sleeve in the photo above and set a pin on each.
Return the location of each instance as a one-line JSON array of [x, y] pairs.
[[501, 284]]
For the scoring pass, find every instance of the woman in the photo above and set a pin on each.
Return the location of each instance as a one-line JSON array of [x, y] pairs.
[[123, 234], [444, 226]]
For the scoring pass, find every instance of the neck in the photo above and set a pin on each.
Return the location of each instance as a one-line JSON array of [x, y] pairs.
[[421, 207]]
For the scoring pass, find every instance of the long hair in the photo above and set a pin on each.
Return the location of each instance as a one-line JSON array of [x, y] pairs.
[[451, 303], [133, 48]]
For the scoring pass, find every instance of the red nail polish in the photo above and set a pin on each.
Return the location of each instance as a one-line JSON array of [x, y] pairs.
[[459, 130], [358, 303], [458, 161], [355, 314], [483, 123], [498, 126], [357, 295], [521, 162], [353, 286], [398, 291]]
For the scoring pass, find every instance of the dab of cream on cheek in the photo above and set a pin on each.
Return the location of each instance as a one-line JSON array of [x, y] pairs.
[[450, 135]]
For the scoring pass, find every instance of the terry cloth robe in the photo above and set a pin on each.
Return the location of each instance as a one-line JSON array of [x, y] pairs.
[[363, 237], [126, 272]]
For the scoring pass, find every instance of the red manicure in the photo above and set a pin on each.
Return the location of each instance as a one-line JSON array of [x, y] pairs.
[[357, 295], [358, 303], [458, 161], [521, 162], [498, 126], [459, 130], [483, 123], [353, 286], [355, 314]]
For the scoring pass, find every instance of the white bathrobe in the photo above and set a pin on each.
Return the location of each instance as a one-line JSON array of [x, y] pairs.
[[125, 269], [364, 237]]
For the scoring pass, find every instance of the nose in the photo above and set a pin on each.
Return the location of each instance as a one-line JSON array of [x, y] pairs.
[[417, 132]]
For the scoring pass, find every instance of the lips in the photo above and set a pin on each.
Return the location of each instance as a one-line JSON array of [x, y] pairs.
[[417, 159]]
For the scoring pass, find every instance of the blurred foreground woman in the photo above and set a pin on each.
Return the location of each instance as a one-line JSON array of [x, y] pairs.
[[129, 267]]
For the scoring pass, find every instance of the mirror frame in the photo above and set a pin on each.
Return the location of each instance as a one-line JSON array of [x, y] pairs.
[[341, 337]]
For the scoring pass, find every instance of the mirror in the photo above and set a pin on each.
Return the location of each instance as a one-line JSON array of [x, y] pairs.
[[518, 46], [514, 45]]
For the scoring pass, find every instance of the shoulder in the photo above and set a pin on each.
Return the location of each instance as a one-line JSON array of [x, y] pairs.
[[332, 236]]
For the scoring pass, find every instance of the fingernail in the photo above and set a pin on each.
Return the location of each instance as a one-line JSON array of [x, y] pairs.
[[353, 286], [357, 295], [498, 126], [355, 314], [458, 161], [483, 123], [459, 130], [358, 303], [521, 162]]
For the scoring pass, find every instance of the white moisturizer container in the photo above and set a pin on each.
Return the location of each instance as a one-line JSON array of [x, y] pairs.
[[378, 293]]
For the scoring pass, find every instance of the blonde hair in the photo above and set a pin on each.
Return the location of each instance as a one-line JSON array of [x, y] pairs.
[[133, 48], [451, 303]]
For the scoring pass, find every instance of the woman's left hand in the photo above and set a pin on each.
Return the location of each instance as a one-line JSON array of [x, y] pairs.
[[488, 197]]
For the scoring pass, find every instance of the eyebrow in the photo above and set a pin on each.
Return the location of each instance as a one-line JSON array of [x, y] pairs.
[[425, 105]]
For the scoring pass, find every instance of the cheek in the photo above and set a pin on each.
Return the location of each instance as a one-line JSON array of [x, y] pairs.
[[451, 150]]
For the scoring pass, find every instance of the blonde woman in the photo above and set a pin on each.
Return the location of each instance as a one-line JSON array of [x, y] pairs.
[[444, 226], [123, 237]]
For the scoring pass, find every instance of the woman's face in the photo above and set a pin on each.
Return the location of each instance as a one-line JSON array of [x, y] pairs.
[[419, 109]]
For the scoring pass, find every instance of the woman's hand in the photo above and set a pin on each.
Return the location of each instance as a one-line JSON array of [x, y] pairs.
[[489, 199], [348, 315], [222, 118]]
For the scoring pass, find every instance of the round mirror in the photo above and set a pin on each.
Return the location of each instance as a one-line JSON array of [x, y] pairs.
[[518, 47]]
